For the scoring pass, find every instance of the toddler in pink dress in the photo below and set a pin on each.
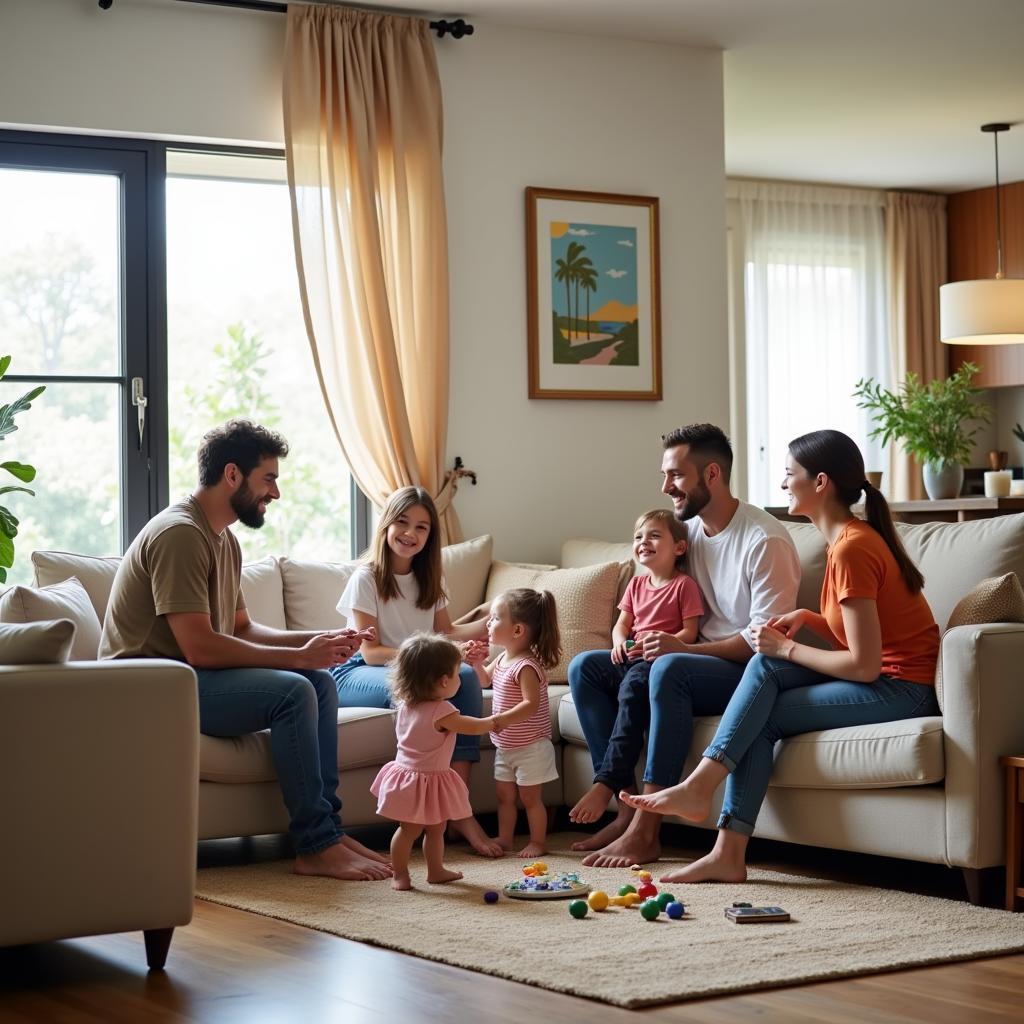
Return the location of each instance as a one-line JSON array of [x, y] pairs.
[[420, 789]]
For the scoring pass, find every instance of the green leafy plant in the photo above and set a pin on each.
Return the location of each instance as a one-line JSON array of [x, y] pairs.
[[25, 473], [1018, 432], [929, 419]]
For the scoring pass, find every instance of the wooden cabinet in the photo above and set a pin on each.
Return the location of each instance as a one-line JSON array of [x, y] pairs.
[[971, 235]]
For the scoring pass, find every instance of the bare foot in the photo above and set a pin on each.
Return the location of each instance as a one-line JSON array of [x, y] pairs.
[[533, 850], [505, 844], [338, 861], [470, 830], [625, 851], [609, 833], [364, 851], [591, 805], [402, 882], [680, 800], [710, 868], [443, 876]]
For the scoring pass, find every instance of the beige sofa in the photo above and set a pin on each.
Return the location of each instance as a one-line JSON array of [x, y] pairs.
[[928, 789]]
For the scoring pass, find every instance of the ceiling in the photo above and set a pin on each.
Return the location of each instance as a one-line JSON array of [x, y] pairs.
[[887, 93]]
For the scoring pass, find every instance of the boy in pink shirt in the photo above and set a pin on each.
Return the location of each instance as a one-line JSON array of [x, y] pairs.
[[664, 600]]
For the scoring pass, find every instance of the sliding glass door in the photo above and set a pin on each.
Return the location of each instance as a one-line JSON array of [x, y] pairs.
[[77, 315]]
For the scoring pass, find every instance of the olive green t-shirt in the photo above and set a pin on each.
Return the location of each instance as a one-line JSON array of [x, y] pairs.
[[176, 564]]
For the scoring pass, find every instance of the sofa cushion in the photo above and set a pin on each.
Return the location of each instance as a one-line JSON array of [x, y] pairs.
[[366, 736], [311, 592], [907, 753], [36, 643], [585, 599], [262, 589], [466, 566], [995, 600], [65, 600], [955, 557], [811, 548], [95, 573]]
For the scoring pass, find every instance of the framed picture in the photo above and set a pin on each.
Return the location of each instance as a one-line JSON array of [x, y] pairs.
[[592, 295]]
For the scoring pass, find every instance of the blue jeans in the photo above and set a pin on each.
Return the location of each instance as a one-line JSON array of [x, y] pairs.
[[301, 711], [775, 699], [678, 687], [366, 686]]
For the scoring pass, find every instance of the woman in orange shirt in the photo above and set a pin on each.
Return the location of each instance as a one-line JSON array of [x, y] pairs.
[[881, 666]]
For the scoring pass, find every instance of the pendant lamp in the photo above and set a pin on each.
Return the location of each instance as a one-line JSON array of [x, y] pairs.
[[989, 312]]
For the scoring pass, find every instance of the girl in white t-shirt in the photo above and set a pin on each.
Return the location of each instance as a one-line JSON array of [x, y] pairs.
[[397, 592], [525, 623]]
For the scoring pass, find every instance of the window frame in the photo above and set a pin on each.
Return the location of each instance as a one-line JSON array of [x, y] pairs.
[[142, 167]]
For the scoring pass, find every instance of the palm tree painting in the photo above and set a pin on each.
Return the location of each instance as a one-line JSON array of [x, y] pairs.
[[601, 262]]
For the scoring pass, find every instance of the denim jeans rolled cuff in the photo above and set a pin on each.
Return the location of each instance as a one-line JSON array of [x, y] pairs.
[[615, 782], [731, 824], [718, 754]]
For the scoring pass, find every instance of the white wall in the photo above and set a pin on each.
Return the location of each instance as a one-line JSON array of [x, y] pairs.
[[521, 108], [526, 108]]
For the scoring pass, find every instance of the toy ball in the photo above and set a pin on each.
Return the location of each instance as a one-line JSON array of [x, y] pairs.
[[649, 910], [675, 910], [626, 889], [647, 891], [598, 901], [578, 909], [664, 899], [490, 896], [540, 867]]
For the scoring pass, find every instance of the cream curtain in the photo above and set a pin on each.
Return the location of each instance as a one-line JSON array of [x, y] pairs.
[[363, 133], [808, 288], [915, 238]]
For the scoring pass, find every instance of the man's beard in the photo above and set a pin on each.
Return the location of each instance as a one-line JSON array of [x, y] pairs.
[[696, 499], [246, 506]]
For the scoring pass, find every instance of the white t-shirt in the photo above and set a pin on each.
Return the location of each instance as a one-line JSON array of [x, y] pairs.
[[747, 573], [398, 618]]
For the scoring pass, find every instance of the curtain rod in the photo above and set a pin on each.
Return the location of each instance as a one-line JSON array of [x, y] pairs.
[[456, 29]]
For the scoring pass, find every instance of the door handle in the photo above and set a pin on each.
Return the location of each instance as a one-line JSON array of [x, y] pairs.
[[140, 401]]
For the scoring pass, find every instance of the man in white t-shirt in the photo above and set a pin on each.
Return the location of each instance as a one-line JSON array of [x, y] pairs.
[[746, 565]]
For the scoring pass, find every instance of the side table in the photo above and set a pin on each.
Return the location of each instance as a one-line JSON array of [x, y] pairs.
[[1014, 830]]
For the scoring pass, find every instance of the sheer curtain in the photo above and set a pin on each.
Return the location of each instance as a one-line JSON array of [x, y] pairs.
[[811, 286], [363, 128]]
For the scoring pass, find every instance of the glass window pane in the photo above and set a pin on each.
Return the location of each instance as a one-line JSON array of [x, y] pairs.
[[237, 346], [59, 271], [72, 437]]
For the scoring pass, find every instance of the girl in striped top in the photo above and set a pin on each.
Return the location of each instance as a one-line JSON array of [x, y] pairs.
[[525, 623]]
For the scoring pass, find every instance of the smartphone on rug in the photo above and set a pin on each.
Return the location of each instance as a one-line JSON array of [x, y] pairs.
[[752, 915]]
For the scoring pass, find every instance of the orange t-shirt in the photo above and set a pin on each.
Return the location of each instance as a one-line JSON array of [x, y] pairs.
[[860, 564]]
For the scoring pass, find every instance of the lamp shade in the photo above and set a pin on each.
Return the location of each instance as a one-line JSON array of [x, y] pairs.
[[989, 312]]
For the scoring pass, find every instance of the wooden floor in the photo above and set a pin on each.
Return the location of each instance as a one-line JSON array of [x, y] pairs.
[[230, 966]]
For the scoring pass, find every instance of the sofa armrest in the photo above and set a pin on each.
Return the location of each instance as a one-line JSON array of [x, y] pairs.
[[100, 770], [983, 718]]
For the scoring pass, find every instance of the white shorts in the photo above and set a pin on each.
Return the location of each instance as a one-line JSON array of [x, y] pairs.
[[532, 765]]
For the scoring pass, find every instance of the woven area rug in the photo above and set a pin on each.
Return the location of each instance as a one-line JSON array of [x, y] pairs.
[[837, 929]]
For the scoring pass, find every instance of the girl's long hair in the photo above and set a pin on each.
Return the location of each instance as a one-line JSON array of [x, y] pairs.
[[426, 563], [837, 456], [535, 609]]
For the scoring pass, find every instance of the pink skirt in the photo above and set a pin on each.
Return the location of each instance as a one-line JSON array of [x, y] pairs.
[[420, 797]]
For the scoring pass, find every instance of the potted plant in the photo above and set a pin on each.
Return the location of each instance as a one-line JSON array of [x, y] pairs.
[[931, 421], [19, 470]]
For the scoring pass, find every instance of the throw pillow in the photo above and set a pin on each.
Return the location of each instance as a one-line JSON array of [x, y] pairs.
[[95, 573], [263, 592], [583, 551], [36, 643], [465, 566], [999, 599], [585, 598], [66, 600], [311, 592]]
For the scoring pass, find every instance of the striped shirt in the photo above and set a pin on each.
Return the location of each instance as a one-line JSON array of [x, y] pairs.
[[508, 693]]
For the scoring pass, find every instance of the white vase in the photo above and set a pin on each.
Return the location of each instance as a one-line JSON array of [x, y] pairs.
[[943, 479]]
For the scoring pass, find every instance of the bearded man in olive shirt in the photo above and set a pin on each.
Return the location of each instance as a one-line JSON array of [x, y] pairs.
[[177, 594]]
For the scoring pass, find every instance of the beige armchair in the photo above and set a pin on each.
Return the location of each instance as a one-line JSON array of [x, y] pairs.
[[99, 764]]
